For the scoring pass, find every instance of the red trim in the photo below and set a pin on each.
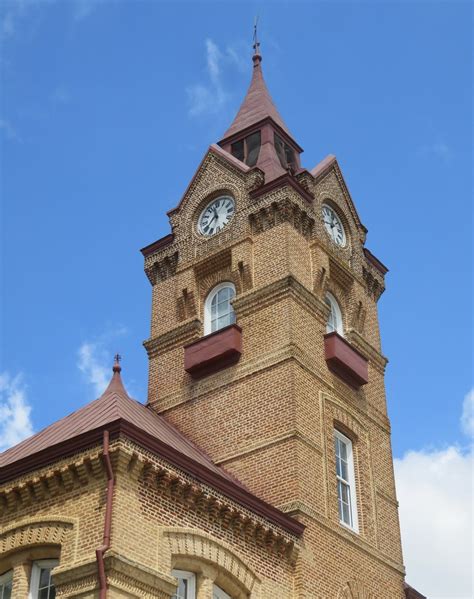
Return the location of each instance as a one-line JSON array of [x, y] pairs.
[[147, 441], [375, 262], [213, 352], [285, 179], [345, 361], [156, 245], [99, 553]]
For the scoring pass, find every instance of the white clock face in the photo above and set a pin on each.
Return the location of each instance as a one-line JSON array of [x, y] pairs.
[[334, 226], [216, 215]]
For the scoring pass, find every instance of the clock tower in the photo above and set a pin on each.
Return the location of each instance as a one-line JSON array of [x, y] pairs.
[[265, 351]]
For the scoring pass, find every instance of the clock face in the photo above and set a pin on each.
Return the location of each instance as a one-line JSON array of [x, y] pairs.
[[216, 215], [334, 226]]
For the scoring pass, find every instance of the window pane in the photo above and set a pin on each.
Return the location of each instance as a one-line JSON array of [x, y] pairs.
[[290, 156], [44, 577], [253, 148], [6, 590], [52, 592], [237, 150], [182, 589], [343, 470], [43, 593], [280, 150]]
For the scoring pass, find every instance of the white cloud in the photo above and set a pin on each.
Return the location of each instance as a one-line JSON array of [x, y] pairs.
[[94, 360], [15, 423], [435, 491], [467, 418], [211, 97]]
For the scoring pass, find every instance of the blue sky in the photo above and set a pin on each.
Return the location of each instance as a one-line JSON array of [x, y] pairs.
[[107, 109]]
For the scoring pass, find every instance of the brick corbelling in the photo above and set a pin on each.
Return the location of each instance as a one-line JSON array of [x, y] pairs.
[[259, 298], [178, 337], [378, 360], [265, 527], [49, 482]]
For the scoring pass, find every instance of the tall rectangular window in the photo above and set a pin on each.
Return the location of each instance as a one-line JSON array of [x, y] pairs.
[[346, 491], [41, 584], [186, 584]]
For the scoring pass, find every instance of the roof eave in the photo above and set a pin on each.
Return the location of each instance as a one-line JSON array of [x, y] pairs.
[[199, 471]]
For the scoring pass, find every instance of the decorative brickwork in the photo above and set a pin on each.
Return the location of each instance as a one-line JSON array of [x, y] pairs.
[[236, 479]]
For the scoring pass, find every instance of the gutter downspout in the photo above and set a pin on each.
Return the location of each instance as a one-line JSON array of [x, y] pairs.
[[107, 520]]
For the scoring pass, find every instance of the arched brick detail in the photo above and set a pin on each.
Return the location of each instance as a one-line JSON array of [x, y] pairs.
[[202, 549], [355, 590], [350, 422], [35, 532]]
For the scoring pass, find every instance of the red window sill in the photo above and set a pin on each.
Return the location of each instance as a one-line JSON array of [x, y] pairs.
[[345, 361], [213, 352]]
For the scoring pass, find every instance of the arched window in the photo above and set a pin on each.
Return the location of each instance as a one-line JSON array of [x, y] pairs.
[[186, 584], [218, 311], [335, 316]]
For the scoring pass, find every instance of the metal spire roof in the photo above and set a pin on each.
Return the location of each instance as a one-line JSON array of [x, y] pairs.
[[257, 104]]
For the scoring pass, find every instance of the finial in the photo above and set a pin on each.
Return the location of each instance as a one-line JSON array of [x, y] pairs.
[[117, 360], [257, 57]]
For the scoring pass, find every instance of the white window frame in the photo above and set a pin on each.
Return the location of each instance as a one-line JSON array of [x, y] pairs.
[[208, 303], [218, 593], [35, 575], [350, 482], [190, 577], [336, 315], [4, 580]]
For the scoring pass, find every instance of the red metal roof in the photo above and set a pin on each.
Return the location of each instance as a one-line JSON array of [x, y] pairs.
[[257, 104], [114, 404], [120, 414]]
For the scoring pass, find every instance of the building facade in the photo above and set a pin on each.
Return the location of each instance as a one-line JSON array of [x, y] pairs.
[[261, 465]]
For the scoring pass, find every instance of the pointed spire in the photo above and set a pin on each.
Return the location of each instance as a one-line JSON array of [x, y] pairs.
[[257, 104], [116, 384]]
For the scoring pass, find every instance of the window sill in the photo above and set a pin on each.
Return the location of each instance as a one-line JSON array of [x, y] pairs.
[[345, 361], [213, 352], [354, 531]]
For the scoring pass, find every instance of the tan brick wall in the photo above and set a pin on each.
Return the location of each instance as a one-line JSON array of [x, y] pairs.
[[269, 420]]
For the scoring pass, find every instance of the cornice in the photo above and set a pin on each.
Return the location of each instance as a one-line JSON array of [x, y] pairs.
[[261, 297], [283, 211], [378, 360], [282, 181], [44, 483], [178, 337], [268, 527]]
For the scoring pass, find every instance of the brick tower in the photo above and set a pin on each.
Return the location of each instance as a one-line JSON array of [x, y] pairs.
[[265, 350]]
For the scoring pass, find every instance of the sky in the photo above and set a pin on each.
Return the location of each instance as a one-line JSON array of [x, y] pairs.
[[107, 108]]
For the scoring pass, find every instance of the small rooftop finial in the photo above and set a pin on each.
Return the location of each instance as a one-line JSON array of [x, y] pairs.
[[257, 57], [117, 360]]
